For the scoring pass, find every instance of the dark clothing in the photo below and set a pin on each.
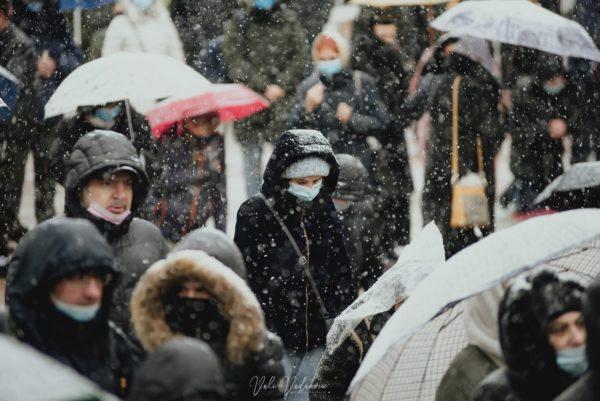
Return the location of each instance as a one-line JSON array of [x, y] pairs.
[[283, 62], [274, 273], [525, 314], [369, 116], [192, 187], [230, 322], [136, 243], [54, 250], [389, 67], [17, 55], [478, 116], [466, 371], [363, 238], [584, 389], [337, 369], [70, 130], [199, 22], [311, 14], [182, 369], [536, 157]]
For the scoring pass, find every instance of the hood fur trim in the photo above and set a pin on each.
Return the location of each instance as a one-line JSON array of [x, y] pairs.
[[236, 302]]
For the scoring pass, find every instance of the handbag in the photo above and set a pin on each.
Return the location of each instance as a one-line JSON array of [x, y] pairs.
[[469, 207], [302, 262]]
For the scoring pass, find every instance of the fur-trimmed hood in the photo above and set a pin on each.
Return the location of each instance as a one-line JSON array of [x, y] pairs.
[[236, 302]]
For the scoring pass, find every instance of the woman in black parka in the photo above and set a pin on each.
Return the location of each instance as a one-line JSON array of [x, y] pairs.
[[292, 309]]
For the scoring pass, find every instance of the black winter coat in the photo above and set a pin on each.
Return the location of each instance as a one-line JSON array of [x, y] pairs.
[[536, 157], [70, 130], [51, 251], [369, 116], [136, 243], [17, 55], [183, 369], [192, 186], [273, 272]]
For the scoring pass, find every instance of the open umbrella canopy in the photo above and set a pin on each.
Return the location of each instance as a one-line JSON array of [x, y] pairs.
[[120, 76], [66, 5], [230, 101], [576, 188], [391, 3], [415, 263], [28, 375], [519, 23], [481, 266], [9, 93]]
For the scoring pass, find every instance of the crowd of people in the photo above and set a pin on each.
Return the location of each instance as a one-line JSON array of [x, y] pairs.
[[135, 290]]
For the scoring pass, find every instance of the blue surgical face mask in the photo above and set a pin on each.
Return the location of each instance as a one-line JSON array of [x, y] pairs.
[[264, 4], [143, 4], [107, 114], [303, 193], [77, 312], [554, 89], [573, 361], [331, 67]]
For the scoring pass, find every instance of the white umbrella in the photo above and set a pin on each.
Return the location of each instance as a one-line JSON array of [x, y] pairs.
[[416, 262], [579, 177], [123, 76], [391, 3], [481, 266], [519, 23]]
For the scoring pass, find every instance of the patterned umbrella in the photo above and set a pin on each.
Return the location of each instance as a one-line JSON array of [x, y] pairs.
[[415, 348]]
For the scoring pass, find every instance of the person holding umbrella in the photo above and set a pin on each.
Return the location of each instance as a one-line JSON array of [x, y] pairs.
[[193, 186]]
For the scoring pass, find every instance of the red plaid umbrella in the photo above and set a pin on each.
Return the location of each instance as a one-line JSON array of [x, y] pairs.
[[230, 101]]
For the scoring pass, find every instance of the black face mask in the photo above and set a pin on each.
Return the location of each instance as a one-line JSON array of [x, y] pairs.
[[198, 318]]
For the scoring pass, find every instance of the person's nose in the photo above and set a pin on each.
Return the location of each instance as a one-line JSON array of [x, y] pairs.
[[578, 336], [118, 190], [93, 289]]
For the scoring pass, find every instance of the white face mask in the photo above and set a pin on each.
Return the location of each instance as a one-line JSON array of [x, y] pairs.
[[303, 193], [95, 209], [77, 312]]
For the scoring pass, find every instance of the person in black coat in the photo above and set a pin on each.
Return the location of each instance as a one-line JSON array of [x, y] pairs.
[[194, 294], [183, 369], [106, 117], [362, 229], [60, 282], [344, 104], [193, 185], [587, 388], [542, 339], [298, 181], [106, 183], [382, 53]]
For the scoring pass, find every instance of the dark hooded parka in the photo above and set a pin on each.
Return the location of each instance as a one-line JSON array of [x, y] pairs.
[[230, 321], [183, 369], [389, 65], [54, 250], [136, 243], [587, 388], [289, 303], [525, 313]]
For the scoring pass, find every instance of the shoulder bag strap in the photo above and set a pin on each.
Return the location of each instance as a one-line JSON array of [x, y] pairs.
[[455, 90], [302, 260]]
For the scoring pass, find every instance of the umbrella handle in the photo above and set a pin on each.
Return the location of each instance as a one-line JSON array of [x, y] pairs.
[[129, 121], [77, 26]]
